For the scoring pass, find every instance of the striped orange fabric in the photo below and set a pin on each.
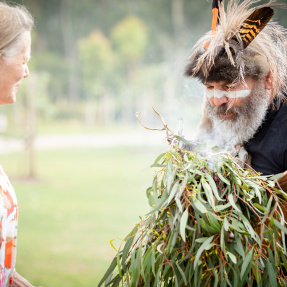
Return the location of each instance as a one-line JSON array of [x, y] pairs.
[[8, 254]]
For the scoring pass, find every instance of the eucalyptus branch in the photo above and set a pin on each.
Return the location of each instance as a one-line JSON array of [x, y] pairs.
[[192, 209]]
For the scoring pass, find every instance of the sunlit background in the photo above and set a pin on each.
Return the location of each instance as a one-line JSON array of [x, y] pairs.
[[72, 146]]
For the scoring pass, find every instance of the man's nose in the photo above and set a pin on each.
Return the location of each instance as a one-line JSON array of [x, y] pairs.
[[220, 101]]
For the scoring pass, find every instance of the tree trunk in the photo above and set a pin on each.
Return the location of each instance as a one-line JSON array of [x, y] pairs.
[[31, 125], [69, 41], [178, 21]]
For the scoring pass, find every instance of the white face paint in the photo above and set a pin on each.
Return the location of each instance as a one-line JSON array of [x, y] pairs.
[[230, 94]]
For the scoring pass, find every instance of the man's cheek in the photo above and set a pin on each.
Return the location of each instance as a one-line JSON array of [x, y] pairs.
[[211, 101]]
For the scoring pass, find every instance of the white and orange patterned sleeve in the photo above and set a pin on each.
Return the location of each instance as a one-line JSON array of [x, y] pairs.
[[8, 230]]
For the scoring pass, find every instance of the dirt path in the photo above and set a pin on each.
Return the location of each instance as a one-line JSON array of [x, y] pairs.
[[8, 145]]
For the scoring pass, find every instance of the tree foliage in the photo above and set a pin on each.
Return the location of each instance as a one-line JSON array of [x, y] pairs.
[[96, 63], [132, 36]]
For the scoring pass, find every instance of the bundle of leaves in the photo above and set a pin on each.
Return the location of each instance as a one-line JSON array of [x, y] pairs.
[[219, 226]]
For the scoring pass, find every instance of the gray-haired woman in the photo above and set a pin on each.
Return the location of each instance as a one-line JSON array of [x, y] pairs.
[[16, 24]]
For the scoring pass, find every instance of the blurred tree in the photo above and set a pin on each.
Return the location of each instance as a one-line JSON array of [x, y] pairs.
[[96, 66], [58, 67], [70, 51], [33, 105], [159, 32], [130, 39]]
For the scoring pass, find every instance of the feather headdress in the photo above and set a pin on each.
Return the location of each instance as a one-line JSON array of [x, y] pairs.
[[245, 43]]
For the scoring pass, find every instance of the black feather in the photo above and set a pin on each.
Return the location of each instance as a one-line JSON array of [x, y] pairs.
[[215, 3], [254, 24]]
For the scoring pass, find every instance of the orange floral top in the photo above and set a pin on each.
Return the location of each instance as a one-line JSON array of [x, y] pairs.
[[8, 229]]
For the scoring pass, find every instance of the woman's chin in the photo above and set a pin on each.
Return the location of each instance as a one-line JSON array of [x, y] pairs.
[[11, 99]]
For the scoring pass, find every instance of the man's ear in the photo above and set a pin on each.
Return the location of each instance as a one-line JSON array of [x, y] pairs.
[[268, 83]]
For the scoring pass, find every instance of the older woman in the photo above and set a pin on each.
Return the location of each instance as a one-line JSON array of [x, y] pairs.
[[16, 24]]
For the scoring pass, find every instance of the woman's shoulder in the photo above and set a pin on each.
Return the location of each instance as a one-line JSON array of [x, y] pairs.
[[3, 175], [2, 172], [5, 184]]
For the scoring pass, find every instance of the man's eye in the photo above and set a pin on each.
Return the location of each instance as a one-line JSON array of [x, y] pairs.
[[209, 87]]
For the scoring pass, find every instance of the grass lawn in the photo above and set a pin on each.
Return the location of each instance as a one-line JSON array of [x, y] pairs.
[[80, 201]]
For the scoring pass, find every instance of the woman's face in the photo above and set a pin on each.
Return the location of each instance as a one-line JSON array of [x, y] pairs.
[[13, 70]]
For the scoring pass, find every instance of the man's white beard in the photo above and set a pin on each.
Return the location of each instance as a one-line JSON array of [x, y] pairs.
[[228, 132]]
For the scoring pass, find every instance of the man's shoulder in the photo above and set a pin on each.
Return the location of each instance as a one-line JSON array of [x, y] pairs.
[[268, 147], [281, 115]]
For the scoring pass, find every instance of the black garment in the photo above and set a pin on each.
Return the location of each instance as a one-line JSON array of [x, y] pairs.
[[268, 148]]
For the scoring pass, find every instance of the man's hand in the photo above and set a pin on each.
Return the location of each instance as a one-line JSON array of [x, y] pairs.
[[19, 281], [282, 181]]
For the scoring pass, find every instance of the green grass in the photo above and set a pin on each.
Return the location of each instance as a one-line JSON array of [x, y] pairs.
[[80, 201]]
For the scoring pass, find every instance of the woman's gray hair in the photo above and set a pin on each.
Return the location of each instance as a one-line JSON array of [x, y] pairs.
[[15, 22]]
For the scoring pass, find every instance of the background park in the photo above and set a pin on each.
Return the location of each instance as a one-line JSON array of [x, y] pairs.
[[71, 145]]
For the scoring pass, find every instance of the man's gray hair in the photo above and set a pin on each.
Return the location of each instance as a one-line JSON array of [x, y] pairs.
[[267, 53]]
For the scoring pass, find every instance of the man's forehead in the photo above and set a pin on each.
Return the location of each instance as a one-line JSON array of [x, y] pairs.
[[221, 83]]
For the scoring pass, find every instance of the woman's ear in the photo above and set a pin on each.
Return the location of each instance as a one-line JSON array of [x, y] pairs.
[[268, 83]]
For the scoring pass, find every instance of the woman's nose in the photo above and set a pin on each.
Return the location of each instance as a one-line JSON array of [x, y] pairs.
[[26, 72], [220, 101]]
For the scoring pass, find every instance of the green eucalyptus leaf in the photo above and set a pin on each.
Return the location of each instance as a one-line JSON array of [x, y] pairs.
[[225, 224], [159, 157], [178, 203], [279, 225], [119, 264], [183, 223], [158, 165], [260, 207], [239, 247], [208, 193], [231, 200], [277, 176], [272, 274], [160, 202], [126, 249], [246, 263], [213, 186], [109, 271], [214, 223], [201, 240], [182, 274], [207, 227], [222, 207], [199, 206], [232, 257], [222, 240], [116, 281], [201, 249], [173, 192], [182, 139], [209, 246], [222, 178]]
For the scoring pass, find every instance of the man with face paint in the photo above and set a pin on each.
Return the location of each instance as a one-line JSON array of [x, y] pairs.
[[244, 73]]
